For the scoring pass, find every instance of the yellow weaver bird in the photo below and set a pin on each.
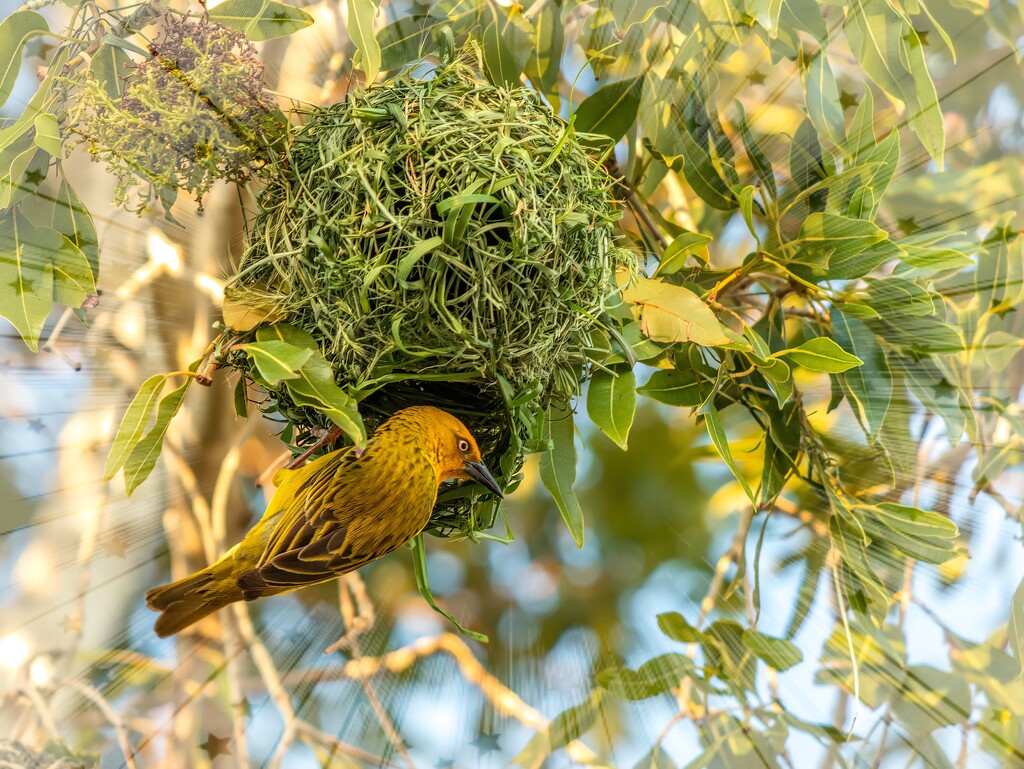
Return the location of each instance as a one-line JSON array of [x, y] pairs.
[[333, 515]]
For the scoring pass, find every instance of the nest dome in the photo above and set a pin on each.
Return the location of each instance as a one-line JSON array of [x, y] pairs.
[[438, 225]]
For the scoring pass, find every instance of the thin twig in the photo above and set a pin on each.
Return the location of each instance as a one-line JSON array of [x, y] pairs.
[[110, 714]]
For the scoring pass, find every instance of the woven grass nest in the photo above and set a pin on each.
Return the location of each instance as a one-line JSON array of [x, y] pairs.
[[445, 241]]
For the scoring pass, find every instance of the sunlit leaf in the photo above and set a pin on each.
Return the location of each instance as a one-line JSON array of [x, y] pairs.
[[670, 313], [823, 354], [16, 30], [611, 402], [261, 19]]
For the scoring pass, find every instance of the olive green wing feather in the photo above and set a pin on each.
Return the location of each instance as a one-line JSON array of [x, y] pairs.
[[338, 519]]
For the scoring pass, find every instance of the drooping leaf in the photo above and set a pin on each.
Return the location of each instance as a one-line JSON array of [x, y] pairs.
[[26, 274], [721, 441], [404, 40], [361, 14], [143, 456], [133, 424], [544, 64], [869, 386], [262, 19], [16, 30], [890, 52], [571, 724], [72, 219], [822, 96], [611, 402], [671, 313], [507, 41], [558, 470]]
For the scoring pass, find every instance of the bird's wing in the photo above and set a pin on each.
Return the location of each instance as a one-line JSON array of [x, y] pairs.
[[338, 518]]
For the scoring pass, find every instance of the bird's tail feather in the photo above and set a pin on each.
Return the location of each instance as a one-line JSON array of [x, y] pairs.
[[188, 600]]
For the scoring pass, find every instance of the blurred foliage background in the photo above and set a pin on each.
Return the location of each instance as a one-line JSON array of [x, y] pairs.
[[803, 171]]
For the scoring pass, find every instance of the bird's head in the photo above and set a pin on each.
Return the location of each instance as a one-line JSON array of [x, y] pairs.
[[455, 452]]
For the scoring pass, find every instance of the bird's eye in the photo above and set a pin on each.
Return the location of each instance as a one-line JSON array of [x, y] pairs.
[[463, 445]]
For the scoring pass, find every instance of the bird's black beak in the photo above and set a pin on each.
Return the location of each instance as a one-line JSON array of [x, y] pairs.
[[479, 473]]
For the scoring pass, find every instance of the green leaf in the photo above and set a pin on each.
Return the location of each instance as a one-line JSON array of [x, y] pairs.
[[361, 14], [890, 52], [674, 625], [727, 656], [777, 652], [718, 437], [675, 387], [1016, 627], [916, 522], [693, 244], [762, 166], [47, 136], [241, 398], [72, 275], [16, 30], [571, 724], [827, 239], [671, 313], [110, 66], [558, 469], [611, 402], [405, 40], [142, 458], [931, 699], [507, 41], [264, 19], [133, 424], [277, 360], [869, 387], [544, 64], [703, 177], [26, 275], [822, 96], [610, 110], [654, 677], [71, 219], [822, 354], [285, 332], [419, 568], [316, 387]]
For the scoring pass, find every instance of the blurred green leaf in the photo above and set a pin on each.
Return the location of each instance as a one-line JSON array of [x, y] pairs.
[[777, 652], [931, 699], [822, 96], [263, 19], [133, 424], [48, 133], [674, 625], [16, 30], [26, 274], [654, 677], [868, 386], [544, 64], [142, 458], [110, 66], [571, 724], [703, 177], [890, 52], [72, 219], [721, 441]]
